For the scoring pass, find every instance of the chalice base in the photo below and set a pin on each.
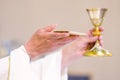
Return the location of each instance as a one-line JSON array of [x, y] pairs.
[[97, 51]]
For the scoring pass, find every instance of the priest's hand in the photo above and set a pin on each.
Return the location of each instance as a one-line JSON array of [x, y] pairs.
[[46, 40], [78, 47]]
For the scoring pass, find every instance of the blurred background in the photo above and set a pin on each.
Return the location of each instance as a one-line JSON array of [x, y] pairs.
[[20, 18]]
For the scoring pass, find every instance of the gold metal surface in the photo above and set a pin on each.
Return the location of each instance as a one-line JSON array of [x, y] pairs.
[[96, 16]]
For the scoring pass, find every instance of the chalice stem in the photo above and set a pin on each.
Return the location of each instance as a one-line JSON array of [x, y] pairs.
[[96, 32]]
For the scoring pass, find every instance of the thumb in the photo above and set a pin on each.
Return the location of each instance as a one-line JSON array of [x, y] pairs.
[[93, 39]]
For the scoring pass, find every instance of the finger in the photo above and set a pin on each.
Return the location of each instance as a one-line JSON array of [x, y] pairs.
[[90, 42], [53, 35], [101, 43], [88, 39], [101, 29], [64, 34], [66, 40], [49, 28], [92, 39], [100, 40], [90, 32]]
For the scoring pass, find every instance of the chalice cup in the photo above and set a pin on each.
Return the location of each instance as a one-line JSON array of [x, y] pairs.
[[96, 16]]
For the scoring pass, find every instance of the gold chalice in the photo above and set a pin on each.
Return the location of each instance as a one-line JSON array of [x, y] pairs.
[[96, 16]]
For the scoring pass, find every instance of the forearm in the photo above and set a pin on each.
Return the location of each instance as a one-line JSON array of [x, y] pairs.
[[67, 58]]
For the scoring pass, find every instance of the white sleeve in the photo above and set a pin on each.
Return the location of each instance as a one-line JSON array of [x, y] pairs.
[[20, 65], [3, 68], [18, 60], [64, 74], [50, 66]]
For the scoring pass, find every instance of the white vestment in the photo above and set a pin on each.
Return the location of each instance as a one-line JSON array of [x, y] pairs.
[[21, 68]]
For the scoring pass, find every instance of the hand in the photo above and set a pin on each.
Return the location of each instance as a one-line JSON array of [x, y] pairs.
[[46, 40], [78, 47], [90, 45]]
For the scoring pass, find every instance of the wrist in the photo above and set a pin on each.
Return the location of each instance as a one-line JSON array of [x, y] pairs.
[[33, 54]]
